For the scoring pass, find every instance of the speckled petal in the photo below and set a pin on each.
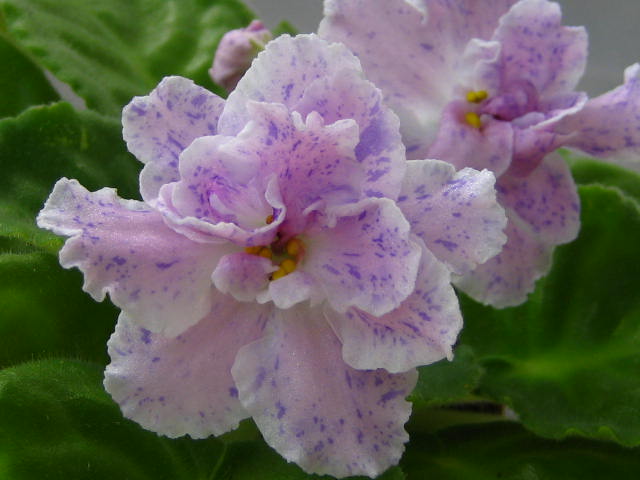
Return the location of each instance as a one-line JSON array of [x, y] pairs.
[[161, 279], [507, 279], [422, 330], [183, 385], [242, 275], [609, 125], [362, 255], [282, 73], [538, 50], [463, 145], [158, 127], [313, 408], [547, 200], [455, 213], [412, 52]]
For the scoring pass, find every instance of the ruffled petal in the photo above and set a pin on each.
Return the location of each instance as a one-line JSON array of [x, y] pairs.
[[609, 125], [547, 200], [361, 255], [464, 145], [158, 127], [412, 52], [456, 214], [507, 279], [183, 385], [282, 73], [161, 279], [422, 330], [313, 408], [538, 50], [243, 276], [291, 289]]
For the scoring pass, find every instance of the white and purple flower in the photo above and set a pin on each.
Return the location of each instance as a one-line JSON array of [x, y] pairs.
[[282, 265], [490, 84]]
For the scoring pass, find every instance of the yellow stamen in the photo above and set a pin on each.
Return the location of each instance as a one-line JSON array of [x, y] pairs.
[[269, 219], [278, 274], [293, 247], [265, 252], [477, 96], [252, 250], [288, 265], [473, 119]]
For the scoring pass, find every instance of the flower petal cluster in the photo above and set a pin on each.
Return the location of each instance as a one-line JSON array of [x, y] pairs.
[[490, 84], [282, 265], [236, 51]]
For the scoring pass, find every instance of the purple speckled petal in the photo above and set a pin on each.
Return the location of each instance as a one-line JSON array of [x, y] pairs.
[[380, 150], [243, 275], [422, 330], [547, 200], [313, 408], [161, 279], [412, 52], [463, 145], [455, 213], [183, 385], [506, 279], [362, 255], [282, 73], [161, 125], [609, 125], [538, 51]]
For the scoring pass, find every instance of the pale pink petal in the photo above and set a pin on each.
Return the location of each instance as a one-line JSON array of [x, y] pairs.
[[464, 145], [362, 255], [243, 276], [159, 126], [291, 289], [161, 279], [456, 214], [547, 200], [422, 330], [507, 279], [313, 408], [183, 385], [538, 50], [412, 51]]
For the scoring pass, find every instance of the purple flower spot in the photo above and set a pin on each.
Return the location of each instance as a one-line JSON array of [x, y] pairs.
[[119, 260], [450, 246], [281, 410], [145, 336], [233, 392], [164, 266], [155, 359], [390, 395]]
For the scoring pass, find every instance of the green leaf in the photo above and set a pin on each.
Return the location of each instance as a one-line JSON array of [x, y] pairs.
[[445, 382], [254, 459], [568, 360], [22, 83], [57, 422], [110, 51], [506, 451], [46, 143], [284, 27]]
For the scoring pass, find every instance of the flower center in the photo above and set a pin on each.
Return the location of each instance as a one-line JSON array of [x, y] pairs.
[[286, 255], [472, 117]]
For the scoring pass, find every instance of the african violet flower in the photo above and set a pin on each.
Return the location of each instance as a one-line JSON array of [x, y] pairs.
[[236, 51], [270, 271], [490, 84]]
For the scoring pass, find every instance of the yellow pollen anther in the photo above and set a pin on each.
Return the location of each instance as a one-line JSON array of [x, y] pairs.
[[477, 96], [252, 250], [473, 119], [293, 247], [269, 219], [288, 265], [265, 252], [278, 274]]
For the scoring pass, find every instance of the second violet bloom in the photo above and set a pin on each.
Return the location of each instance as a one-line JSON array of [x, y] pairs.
[[286, 264]]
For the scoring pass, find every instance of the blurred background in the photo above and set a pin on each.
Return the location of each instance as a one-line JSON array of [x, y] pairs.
[[613, 26]]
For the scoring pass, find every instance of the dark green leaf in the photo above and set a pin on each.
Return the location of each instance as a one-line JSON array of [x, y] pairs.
[[568, 361], [284, 27], [110, 51], [22, 83], [445, 381], [57, 422], [506, 451]]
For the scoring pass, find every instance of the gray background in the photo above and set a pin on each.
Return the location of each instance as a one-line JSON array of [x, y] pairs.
[[613, 26]]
